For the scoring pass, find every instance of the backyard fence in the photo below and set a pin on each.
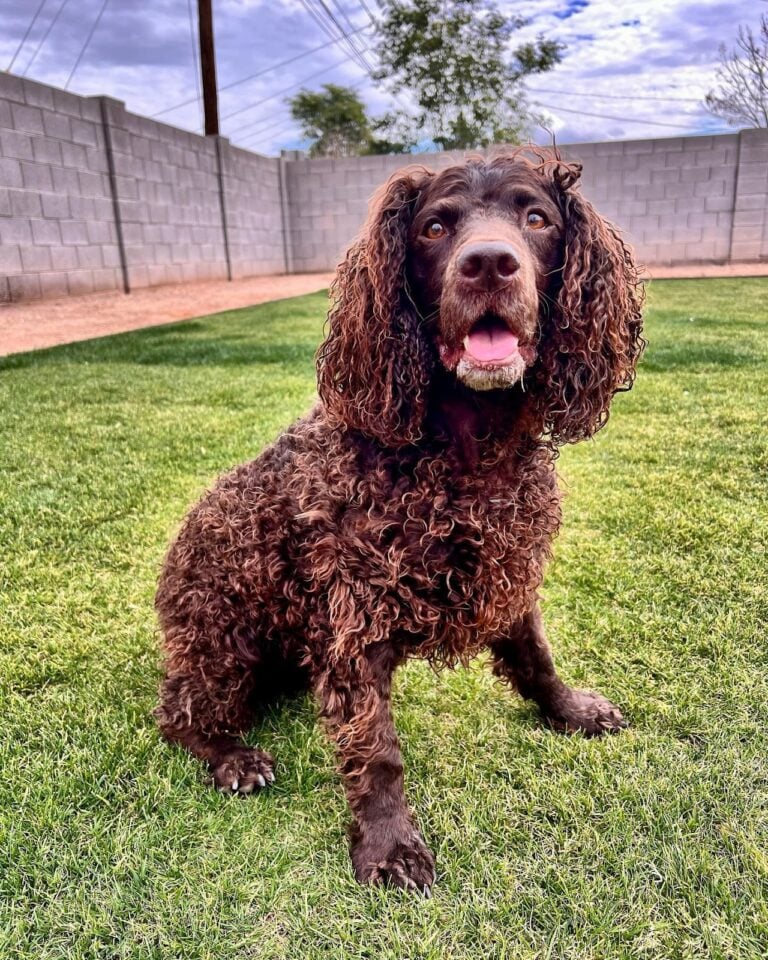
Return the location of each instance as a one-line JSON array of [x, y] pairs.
[[93, 197]]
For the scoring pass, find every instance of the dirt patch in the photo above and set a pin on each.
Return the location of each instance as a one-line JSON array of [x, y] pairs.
[[46, 323]]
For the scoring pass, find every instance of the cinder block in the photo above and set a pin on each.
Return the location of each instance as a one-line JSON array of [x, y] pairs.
[[73, 155], [46, 151], [751, 202], [6, 119], [18, 145], [80, 281], [66, 103], [27, 119], [11, 87], [747, 234], [35, 259], [14, 230], [64, 258], [65, 181], [25, 203], [38, 94], [91, 184], [24, 287], [53, 285], [10, 257], [89, 257], [719, 203], [745, 250], [82, 208], [74, 233], [46, 232], [5, 202], [55, 206], [100, 232], [84, 133]]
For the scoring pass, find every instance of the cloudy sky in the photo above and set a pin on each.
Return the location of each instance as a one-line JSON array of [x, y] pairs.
[[630, 71]]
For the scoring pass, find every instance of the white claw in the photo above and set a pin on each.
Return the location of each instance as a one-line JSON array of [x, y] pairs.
[[260, 780], [235, 784], [270, 776]]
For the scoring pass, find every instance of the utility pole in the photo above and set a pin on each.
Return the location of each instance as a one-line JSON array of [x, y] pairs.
[[208, 66]]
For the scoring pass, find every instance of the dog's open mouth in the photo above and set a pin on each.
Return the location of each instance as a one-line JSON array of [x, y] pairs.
[[490, 356], [490, 343]]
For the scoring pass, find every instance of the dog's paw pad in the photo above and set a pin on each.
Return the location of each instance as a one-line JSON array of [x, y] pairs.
[[243, 772]]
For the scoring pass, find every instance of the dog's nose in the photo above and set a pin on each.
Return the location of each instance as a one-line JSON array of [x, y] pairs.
[[488, 265]]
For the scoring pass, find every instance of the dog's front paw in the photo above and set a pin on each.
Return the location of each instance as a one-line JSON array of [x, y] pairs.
[[585, 711], [379, 857], [243, 771]]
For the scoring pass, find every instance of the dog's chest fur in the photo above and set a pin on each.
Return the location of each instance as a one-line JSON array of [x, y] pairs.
[[421, 549]]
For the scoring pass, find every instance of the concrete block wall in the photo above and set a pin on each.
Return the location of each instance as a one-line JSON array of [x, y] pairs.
[[167, 185], [57, 226], [749, 238], [93, 197], [253, 212], [672, 198], [678, 200]]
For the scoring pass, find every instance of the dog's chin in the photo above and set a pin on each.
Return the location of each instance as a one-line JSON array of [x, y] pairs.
[[498, 376]]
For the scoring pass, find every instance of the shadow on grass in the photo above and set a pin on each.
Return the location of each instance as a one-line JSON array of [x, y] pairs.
[[179, 347]]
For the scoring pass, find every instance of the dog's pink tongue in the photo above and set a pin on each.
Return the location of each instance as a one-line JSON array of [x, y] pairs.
[[490, 343]]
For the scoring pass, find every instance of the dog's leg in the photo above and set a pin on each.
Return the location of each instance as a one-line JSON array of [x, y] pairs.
[[201, 710], [355, 700], [524, 659]]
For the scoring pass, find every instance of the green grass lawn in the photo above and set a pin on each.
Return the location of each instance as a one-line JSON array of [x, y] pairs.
[[652, 844]]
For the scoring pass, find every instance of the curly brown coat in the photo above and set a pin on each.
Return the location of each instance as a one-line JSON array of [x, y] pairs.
[[485, 316]]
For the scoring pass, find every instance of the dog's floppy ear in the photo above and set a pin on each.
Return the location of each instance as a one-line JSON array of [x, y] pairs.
[[375, 364], [591, 342]]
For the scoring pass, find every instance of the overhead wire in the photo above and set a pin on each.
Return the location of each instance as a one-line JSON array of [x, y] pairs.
[[279, 93], [603, 116], [45, 36], [253, 76], [86, 44], [27, 32], [615, 96]]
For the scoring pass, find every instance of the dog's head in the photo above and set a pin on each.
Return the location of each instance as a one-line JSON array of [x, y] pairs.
[[499, 272]]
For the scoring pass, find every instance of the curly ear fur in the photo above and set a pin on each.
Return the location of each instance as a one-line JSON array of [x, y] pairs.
[[375, 364], [592, 341]]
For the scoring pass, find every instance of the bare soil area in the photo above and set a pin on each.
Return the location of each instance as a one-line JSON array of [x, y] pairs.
[[46, 323]]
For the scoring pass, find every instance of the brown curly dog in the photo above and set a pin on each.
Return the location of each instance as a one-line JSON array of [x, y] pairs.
[[485, 316]]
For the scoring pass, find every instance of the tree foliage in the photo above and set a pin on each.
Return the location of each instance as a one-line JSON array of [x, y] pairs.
[[336, 121], [454, 58], [334, 118], [741, 96]]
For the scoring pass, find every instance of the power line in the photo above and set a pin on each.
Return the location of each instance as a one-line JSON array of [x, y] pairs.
[[367, 9], [272, 96], [40, 45], [86, 44], [603, 116], [253, 76], [352, 46], [261, 133], [27, 32], [614, 96]]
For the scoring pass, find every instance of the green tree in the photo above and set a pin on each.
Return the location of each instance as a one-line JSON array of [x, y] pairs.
[[334, 119], [454, 57], [742, 95]]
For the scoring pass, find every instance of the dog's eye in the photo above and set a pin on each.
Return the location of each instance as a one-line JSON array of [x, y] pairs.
[[536, 221], [434, 230]]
